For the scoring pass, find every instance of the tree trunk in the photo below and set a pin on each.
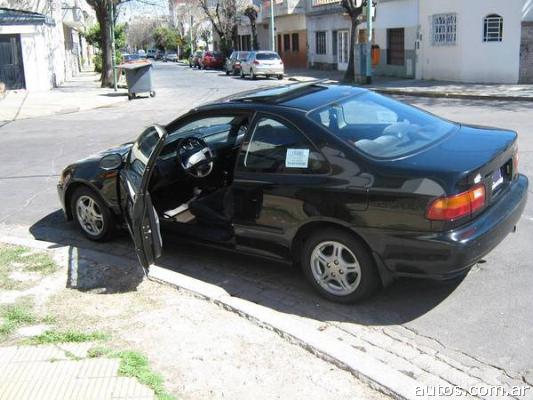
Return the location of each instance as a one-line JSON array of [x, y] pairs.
[[255, 45], [349, 75], [102, 15]]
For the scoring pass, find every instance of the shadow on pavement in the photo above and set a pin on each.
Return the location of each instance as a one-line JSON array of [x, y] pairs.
[[91, 266], [271, 284]]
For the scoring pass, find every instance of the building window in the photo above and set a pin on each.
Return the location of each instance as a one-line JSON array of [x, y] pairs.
[[334, 42], [279, 43], [493, 28], [286, 42], [321, 43], [295, 42], [444, 30]]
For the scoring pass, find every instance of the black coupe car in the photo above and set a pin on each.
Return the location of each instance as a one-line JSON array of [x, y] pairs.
[[355, 187]]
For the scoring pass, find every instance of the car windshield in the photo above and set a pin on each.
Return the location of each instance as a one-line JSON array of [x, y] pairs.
[[266, 56], [381, 127]]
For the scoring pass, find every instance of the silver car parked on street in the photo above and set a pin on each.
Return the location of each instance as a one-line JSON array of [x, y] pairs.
[[266, 63]]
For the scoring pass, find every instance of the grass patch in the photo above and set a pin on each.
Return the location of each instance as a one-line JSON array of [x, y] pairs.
[[67, 336], [135, 365], [18, 258], [14, 316]]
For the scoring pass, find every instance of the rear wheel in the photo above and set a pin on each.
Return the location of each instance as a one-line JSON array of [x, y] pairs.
[[92, 215], [227, 72], [280, 77], [253, 75], [339, 266], [242, 74]]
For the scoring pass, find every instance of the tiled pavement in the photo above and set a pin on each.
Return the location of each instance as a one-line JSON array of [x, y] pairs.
[[58, 372]]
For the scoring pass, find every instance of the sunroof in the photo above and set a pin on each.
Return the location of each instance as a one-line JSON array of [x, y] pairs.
[[281, 93]]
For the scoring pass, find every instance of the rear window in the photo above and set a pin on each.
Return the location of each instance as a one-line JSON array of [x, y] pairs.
[[243, 55], [381, 127], [266, 56], [216, 54]]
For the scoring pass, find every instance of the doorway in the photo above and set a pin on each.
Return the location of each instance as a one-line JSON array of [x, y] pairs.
[[343, 50], [11, 65]]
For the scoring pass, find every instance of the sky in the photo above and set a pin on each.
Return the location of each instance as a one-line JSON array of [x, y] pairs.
[[142, 8]]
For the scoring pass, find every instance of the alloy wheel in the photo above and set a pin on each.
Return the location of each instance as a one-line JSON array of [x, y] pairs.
[[89, 215], [335, 268]]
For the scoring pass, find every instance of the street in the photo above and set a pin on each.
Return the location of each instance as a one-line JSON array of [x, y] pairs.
[[487, 316]]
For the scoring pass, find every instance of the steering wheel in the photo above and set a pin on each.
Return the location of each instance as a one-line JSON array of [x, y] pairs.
[[195, 157]]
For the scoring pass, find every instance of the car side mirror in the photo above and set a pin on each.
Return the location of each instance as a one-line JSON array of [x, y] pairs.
[[111, 161]]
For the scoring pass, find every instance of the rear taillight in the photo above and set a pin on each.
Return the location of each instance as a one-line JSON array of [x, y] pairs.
[[454, 207], [256, 62]]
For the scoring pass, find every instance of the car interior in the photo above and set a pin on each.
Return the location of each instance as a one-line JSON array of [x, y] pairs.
[[189, 185]]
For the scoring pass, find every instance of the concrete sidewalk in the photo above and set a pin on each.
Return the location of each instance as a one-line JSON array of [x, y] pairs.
[[64, 372], [82, 92], [428, 88]]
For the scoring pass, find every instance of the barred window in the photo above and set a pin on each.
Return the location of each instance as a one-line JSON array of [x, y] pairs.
[[444, 30], [493, 28], [321, 43]]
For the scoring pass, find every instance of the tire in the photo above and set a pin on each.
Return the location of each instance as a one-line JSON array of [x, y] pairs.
[[130, 96], [359, 284], [267, 76], [152, 93], [100, 231], [253, 75], [280, 77], [227, 73], [242, 74]]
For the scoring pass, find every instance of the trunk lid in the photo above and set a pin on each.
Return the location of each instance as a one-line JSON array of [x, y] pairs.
[[468, 156]]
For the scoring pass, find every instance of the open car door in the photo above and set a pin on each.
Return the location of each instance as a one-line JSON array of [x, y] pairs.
[[138, 210]]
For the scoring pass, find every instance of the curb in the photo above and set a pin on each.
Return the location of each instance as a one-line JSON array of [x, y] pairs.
[[376, 374], [450, 95]]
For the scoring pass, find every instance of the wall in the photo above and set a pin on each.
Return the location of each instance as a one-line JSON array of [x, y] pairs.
[[471, 59], [526, 53], [329, 23], [397, 14], [38, 65]]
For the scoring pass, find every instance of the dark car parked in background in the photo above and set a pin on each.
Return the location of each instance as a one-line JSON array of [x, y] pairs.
[[212, 59], [194, 59], [356, 188], [233, 63]]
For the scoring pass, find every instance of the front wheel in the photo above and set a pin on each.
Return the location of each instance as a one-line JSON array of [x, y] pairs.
[[92, 215], [339, 266], [242, 74]]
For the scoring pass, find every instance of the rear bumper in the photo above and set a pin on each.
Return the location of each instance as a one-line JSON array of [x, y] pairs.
[[268, 70], [444, 255]]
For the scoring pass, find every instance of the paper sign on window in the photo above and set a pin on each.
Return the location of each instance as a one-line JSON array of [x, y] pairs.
[[297, 158]]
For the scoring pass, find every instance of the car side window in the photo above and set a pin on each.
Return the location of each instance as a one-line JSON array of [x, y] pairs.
[[278, 147]]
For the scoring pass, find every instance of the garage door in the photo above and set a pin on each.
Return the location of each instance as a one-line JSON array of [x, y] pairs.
[[11, 66]]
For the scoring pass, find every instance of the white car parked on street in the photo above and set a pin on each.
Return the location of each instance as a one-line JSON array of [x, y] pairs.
[[266, 63]]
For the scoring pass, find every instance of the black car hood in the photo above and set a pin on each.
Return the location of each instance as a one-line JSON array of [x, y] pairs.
[[123, 149]]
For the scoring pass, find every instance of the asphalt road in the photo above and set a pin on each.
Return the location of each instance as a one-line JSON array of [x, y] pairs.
[[488, 315]]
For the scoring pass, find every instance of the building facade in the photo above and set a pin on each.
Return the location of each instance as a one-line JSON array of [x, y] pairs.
[[41, 43], [481, 41], [290, 31]]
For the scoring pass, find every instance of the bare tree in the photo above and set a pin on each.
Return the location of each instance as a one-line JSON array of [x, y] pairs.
[[140, 32], [223, 16], [251, 12], [354, 8]]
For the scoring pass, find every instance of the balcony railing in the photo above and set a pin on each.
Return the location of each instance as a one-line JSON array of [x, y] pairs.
[[318, 3]]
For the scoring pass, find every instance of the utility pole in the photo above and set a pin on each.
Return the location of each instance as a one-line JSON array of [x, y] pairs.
[[369, 23], [272, 28], [113, 52], [190, 35]]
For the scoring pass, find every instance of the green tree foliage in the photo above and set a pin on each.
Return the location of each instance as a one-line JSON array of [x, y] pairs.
[[166, 38], [94, 36]]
